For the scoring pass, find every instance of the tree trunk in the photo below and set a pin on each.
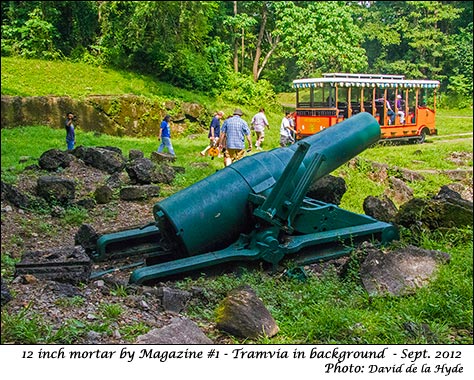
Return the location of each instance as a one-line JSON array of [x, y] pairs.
[[236, 45], [258, 48]]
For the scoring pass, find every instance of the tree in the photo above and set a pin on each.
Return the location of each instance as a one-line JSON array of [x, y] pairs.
[[169, 39], [321, 36], [47, 29], [407, 37], [273, 41]]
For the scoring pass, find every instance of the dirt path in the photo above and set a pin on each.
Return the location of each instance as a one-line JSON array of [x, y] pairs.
[[444, 139]]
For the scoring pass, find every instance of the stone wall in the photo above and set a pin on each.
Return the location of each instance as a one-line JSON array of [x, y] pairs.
[[126, 115]]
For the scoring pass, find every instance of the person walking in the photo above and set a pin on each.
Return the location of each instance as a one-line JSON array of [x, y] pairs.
[[70, 132], [165, 136], [286, 130], [259, 122], [233, 134], [214, 132]]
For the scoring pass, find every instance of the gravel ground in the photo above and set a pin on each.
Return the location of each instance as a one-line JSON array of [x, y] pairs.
[[61, 304]]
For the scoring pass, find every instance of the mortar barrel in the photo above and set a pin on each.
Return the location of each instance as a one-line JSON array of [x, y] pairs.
[[212, 213]]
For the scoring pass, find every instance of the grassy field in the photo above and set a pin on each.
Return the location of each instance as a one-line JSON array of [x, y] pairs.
[[17, 143], [325, 310]]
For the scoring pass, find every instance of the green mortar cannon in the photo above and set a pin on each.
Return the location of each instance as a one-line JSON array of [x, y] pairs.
[[256, 209]]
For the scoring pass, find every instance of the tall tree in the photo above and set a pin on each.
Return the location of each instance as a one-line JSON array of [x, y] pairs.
[[264, 34], [169, 39], [322, 36], [47, 29], [408, 37]]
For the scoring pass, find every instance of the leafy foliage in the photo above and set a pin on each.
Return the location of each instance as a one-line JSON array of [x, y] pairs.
[[196, 44], [243, 90], [325, 38]]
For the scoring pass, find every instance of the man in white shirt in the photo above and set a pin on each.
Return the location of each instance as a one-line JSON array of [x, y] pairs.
[[285, 130], [259, 122]]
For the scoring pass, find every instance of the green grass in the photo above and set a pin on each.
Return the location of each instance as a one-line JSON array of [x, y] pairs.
[[64, 78], [331, 310], [321, 310], [29, 327], [454, 121]]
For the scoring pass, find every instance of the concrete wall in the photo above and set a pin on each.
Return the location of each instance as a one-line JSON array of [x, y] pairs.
[[127, 115]]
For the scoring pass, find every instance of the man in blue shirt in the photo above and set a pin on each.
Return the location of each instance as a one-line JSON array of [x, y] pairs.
[[214, 132], [165, 136], [233, 132], [70, 134]]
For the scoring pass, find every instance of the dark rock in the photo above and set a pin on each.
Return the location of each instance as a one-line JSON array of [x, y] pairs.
[[179, 331], [14, 196], [140, 171], [87, 203], [163, 174], [32, 167], [179, 169], [115, 181], [173, 299], [337, 266], [79, 152], [444, 210], [464, 190], [104, 159], [5, 293], [381, 208], [112, 149], [243, 314], [136, 193], [162, 157], [328, 189], [86, 237], [103, 194], [64, 264], [401, 271], [56, 189], [64, 289], [133, 154], [447, 193], [53, 159]]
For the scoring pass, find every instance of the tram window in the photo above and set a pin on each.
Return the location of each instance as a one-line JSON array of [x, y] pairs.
[[318, 97], [304, 97], [329, 96], [426, 98], [342, 97]]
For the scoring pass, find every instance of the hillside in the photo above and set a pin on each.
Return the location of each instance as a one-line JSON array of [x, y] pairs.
[[78, 80]]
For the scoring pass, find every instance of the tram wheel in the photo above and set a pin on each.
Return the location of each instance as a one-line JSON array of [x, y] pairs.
[[422, 137]]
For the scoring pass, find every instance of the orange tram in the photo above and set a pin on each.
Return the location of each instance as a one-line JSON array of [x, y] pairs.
[[405, 109]]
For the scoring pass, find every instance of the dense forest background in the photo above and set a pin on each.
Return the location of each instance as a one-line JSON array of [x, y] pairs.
[[257, 47]]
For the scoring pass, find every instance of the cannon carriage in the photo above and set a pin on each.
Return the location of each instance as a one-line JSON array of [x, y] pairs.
[[259, 211]]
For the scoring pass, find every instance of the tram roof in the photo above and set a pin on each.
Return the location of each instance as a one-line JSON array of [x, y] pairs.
[[365, 80]]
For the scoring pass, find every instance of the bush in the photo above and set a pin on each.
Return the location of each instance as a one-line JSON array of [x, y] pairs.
[[243, 90]]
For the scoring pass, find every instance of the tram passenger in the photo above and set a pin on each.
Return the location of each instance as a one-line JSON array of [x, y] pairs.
[[400, 111], [390, 112]]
